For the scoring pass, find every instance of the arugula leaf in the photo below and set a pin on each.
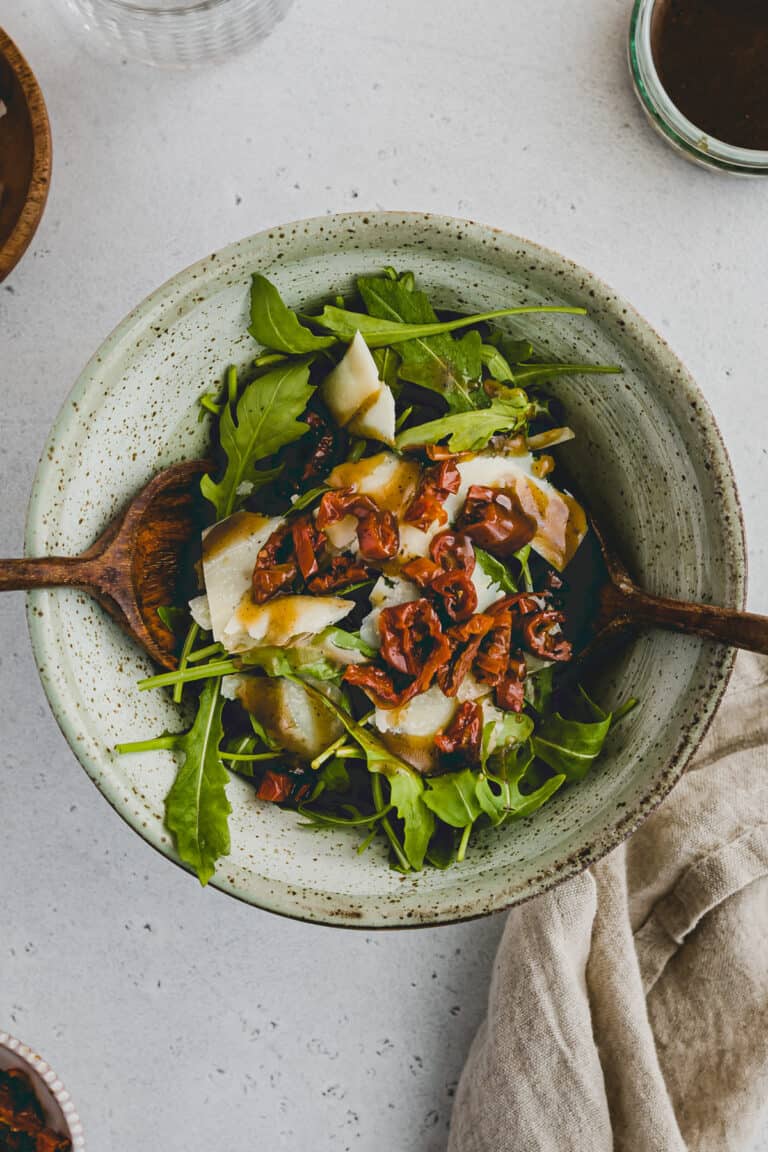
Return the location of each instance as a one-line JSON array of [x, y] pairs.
[[387, 364], [538, 688], [171, 616], [266, 419], [405, 784], [469, 431], [523, 556], [348, 641], [453, 798], [197, 808], [570, 746], [307, 498], [275, 325], [500, 795], [439, 363], [302, 661], [513, 350], [495, 570], [497, 364], [378, 332]]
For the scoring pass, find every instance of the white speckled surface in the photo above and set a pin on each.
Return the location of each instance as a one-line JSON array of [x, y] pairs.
[[179, 1019]]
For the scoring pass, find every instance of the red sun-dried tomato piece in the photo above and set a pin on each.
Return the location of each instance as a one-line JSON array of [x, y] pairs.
[[412, 638], [320, 447], [385, 688], [421, 571], [343, 570], [493, 655], [435, 486], [308, 543], [457, 593], [519, 604], [494, 519], [453, 550], [510, 690], [266, 582], [462, 738], [274, 787], [542, 635], [465, 640], [277, 548], [377, 532]]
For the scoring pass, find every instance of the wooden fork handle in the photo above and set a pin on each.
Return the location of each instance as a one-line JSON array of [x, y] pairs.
[[48, 572], [739, 629]]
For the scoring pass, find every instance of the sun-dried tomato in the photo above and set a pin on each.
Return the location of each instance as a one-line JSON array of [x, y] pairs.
[[435, 486], [510, 691], [462, 738], [277, 548], [308, 543], [542, 635], [414, 645], [274, 787], [519, 603], [412, 637], [457, 593], [465, 640], [320, 446], [344, 570], [495, 520], [453, 550], [386, 688], [267, 582], [493, 655], [421, 571], [377, 532]]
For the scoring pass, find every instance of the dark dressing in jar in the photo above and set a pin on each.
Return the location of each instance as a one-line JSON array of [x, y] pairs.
[[712, 60]]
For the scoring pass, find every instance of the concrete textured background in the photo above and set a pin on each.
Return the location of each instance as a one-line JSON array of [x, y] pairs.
[[178, 1018]]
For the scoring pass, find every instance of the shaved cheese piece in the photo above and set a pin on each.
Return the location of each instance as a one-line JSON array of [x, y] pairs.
[[353, 383], [230, 549], [377, 419], [289, 715], [200, 611], [386, 592], [410, 730], [281, 620]]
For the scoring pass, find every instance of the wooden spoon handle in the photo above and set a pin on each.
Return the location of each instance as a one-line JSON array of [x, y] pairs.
[[48, 572], [739, 629]]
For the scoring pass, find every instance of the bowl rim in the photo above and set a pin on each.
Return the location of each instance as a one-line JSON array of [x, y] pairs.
[[378, 915], [40, 180], [42, 1070]]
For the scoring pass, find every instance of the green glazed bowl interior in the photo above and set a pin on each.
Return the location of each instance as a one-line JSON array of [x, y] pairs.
[[647, 453]]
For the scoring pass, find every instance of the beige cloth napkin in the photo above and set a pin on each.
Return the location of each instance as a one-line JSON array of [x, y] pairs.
[[629, 1007]]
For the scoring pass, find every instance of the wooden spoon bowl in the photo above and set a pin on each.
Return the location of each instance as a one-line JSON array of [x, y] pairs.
[[25, 155], [144, 560]]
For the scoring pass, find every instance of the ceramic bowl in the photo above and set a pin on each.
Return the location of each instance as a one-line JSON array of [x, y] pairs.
[[53, 1097], [25, 155], [647, 452]]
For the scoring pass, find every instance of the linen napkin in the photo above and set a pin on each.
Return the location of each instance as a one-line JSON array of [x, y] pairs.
[[628, 1007]]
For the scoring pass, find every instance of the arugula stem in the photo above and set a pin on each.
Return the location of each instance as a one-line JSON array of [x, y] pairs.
[[189, 643], [625, 709], [231, 384], [157, 744], [463, 843], [184, 675], [210, 405], [378, 803], [204, 653], [249, 755], [321, 759]]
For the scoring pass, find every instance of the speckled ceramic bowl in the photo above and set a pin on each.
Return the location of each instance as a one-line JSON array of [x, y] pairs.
[[58, 1109], [648, 453]]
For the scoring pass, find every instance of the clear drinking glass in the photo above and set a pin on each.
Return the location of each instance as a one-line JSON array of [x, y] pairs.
[[179, 33]]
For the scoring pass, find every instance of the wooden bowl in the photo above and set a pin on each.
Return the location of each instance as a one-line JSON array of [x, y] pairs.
[[25, 155]]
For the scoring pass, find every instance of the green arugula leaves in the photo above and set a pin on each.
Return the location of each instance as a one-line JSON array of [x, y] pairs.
[[265, 419], [495, 570], [197, 808], [469, 431], [276, 326]]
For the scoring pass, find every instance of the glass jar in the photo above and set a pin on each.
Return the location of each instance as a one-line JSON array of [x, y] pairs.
[[667, 118], [178, 33]]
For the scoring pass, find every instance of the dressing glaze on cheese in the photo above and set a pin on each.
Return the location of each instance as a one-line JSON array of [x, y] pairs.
[[282, 620]]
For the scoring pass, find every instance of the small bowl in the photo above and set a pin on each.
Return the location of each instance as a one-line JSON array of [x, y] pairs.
[[683, 135], [25, 155], [59, 1112], [647, 453]]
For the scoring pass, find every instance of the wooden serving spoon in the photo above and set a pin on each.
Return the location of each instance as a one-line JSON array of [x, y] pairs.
[[141, 562], [602, 599]]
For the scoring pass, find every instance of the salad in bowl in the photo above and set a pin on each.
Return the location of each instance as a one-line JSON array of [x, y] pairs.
[[380, 634]]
